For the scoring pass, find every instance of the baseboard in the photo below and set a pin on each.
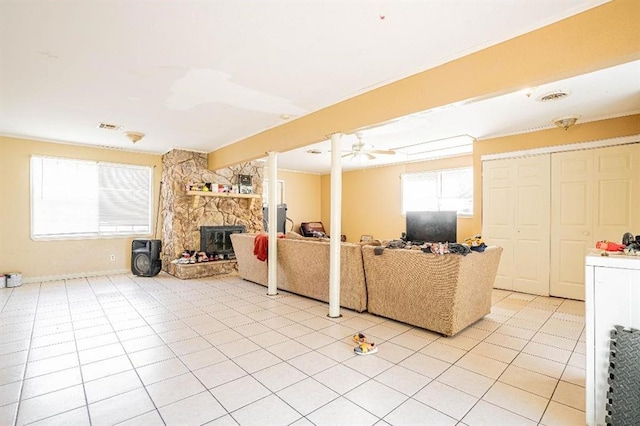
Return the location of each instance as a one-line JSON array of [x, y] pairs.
[[74, 276]]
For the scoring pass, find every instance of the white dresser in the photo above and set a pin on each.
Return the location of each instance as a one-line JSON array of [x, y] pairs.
[[612, 298]]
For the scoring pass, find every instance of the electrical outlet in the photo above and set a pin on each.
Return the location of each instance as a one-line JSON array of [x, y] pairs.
[[112, 257]]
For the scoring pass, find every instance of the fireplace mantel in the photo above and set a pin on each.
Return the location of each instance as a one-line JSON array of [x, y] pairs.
[[222, 194]]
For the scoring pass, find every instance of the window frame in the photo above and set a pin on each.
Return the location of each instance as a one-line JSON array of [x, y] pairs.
[[438, 173], [97, 234]]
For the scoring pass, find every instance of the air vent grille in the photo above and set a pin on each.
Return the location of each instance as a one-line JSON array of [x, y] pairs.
[[108, 126], [553, 96]]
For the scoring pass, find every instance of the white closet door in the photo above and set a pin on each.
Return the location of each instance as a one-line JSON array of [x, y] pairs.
[[516, 216], [571, 221], [497, 215], [595, 196], [617, 192]]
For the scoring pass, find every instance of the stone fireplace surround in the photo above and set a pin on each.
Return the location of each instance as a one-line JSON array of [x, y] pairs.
[[183, 215]]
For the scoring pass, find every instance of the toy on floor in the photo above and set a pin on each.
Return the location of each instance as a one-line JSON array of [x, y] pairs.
[[364, 347]]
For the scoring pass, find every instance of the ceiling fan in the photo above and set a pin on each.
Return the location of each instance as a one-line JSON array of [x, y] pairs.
[[361, 150]]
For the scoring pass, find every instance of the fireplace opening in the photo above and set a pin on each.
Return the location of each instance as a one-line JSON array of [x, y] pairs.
[[216, 240]]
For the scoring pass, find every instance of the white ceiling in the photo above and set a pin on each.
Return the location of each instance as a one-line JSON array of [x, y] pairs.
[[200, 75]]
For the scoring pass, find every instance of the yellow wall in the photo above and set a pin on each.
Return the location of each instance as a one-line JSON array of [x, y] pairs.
[[302, 196], [598, 38], [38, 260], [372, 199]]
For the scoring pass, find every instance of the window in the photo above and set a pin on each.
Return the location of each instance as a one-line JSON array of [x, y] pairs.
[[87, 198], [439, 190]]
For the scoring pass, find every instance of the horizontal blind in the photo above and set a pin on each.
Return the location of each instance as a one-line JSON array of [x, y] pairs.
[[83, 198]]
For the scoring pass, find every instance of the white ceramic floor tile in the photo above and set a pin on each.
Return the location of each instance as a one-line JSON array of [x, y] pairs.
[[112, 385], [342, 412], [446, 399], [51, 365], [174, 389], [340, 378], [267, 411], [561, 415], [78, 416], [338, 351], [97, 370], [203, 358], [50, 404], [393, 353], [312, 362], [376, 398], [288, 349], [425, 365], [486, 414], [220, 373], [443, 352], [152, 418], [197, 409], [49, 382], [162, 370], [279, 376], [403, 380], [239, 393], [307, 396], [413, 413], [517, 400], [369, 365], [467, 381], [529, 381], [570, 394], [257, 360]]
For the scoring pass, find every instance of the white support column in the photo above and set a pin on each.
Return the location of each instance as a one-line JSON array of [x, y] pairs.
[[272, 288], [336, 226]]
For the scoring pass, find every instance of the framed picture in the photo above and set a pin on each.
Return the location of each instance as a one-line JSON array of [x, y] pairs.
[[364, 238]]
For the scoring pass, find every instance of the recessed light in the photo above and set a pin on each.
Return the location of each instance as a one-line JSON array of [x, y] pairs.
[[285, 116]]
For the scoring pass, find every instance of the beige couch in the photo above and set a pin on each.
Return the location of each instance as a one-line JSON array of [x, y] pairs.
[[303, 268], [442, 293]]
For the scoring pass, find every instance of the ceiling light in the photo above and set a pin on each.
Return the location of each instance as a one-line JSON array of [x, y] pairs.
[[134, 136], [566, 122], [554, 96]]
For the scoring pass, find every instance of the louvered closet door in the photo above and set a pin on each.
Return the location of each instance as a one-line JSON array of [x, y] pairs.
[[516, 216]]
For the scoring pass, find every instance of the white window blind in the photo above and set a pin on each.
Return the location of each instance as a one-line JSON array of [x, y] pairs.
[[83, 198], [438, 190]]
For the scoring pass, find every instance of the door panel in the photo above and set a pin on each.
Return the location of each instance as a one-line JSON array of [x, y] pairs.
[[571, 221], [516, 217], [617, 192]]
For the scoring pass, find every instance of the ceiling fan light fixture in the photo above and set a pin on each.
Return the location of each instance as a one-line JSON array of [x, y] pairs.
[[566, 122]]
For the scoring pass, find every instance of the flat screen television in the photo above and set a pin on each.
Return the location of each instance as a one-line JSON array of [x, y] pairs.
[[433, 227]]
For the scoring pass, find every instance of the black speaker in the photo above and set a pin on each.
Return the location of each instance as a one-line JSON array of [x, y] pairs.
[[145, 257]]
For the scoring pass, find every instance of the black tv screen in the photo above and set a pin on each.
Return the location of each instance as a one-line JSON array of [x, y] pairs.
[[433, 227]]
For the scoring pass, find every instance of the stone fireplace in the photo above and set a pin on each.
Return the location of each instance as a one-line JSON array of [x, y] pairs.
[[183, 215]]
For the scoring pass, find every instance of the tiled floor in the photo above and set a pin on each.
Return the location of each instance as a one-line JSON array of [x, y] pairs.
[[147, 351]]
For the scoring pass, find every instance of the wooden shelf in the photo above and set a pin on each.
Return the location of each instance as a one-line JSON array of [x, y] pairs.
[[222, 194]]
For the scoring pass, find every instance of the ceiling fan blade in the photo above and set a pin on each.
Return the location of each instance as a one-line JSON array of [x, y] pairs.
[[383, 151], [369, 156], [347, 155]]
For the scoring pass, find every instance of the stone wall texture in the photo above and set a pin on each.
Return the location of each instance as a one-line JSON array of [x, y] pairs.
[[182, 214]]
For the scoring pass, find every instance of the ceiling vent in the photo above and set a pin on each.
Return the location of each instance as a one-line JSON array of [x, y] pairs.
[[108, 126], [553, 96]]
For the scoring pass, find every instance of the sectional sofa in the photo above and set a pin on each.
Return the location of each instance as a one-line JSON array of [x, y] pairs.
[[442, 293]]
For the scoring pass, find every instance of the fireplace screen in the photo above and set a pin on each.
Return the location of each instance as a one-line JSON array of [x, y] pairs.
[[216, 240]]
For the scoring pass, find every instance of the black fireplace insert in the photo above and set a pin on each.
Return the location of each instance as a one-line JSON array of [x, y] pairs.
[[216, 240]]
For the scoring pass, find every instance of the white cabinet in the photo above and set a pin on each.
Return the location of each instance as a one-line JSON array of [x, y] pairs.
[[612, 298]]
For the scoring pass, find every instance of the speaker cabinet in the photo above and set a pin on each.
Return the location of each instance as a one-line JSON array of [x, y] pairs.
[[145, 257]]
